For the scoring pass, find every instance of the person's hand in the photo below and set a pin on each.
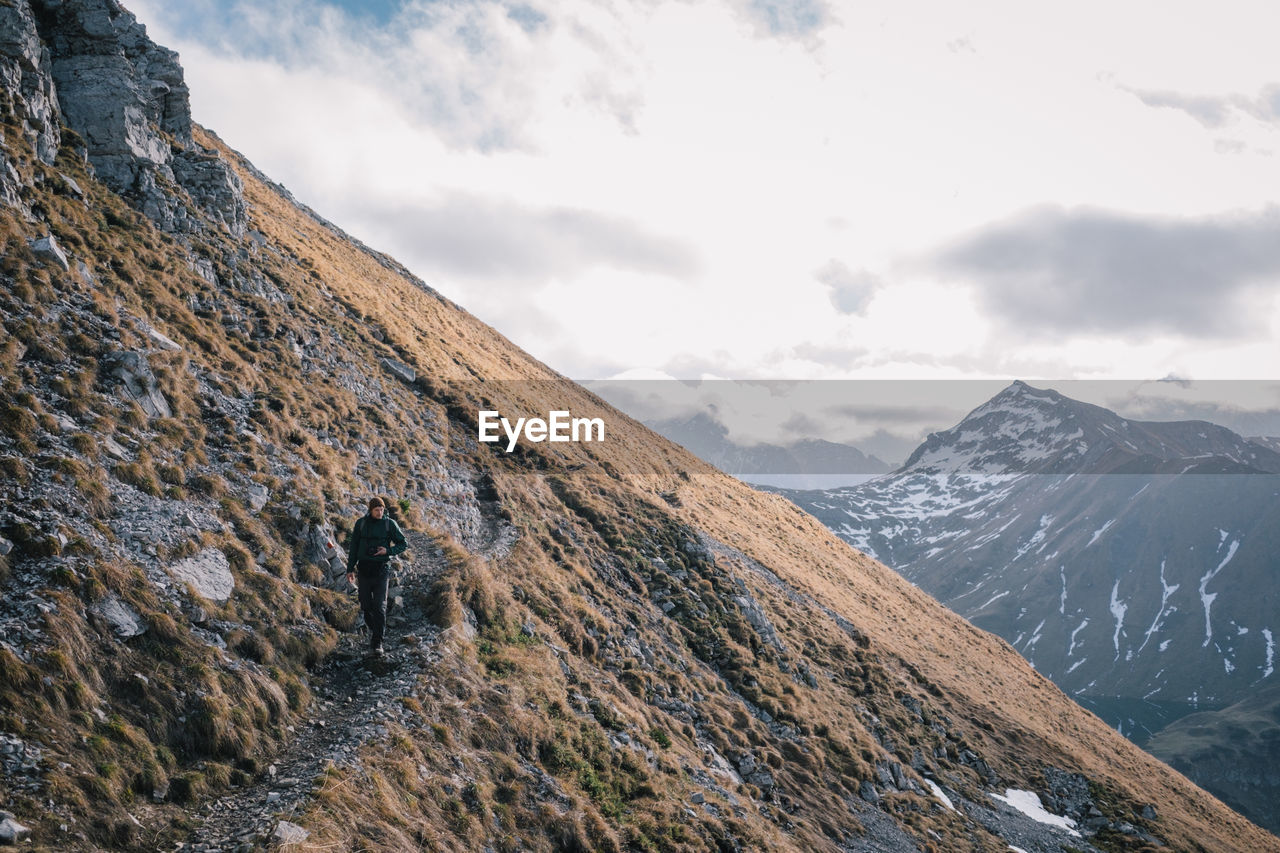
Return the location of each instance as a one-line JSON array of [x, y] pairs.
[[351, 578], [380, 551]]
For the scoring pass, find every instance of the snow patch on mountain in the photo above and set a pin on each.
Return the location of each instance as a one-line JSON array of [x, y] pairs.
[[1029, 804], [1166, 591], [1269, 666], [993, 599], [1207, 598], [1078, 629], [940, 794], [1118, 609], [1101, 530]]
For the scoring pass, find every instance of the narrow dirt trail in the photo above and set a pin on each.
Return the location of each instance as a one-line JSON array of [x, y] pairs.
[[354, 696]]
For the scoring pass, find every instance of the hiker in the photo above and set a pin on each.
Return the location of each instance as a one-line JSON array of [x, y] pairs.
[[375, 539]]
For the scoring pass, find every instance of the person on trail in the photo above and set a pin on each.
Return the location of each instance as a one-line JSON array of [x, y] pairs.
[[375, 539]]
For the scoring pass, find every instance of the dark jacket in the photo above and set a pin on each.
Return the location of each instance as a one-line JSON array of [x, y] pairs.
[[369, 533]]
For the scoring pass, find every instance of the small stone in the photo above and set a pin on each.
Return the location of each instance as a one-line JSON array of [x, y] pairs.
[[401, 371], [258, 497], [698, 798], [290, 833], [114, 450], [125, 622], [72, 186]]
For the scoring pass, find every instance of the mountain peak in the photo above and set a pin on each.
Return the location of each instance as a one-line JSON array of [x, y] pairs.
[[1024, 429]]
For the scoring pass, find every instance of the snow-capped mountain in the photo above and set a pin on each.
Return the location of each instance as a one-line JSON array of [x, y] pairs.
[[1134, 563]]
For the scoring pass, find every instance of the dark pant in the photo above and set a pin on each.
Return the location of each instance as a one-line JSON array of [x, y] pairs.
[[373, 584]]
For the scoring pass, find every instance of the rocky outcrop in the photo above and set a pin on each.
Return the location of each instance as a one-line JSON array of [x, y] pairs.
[[89, 64], [25, 74], [119, 90]]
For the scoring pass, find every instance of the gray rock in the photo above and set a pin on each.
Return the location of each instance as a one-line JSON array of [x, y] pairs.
[[208, 573], [126, 96], [138, 382], [71, 185], [158, 338], [203, 267], [25, 69], [401, 371], [1068, 794], [213, 186], [5, 547], [258, 496], [114, 450], [290, 833], [12, 832], [124, 620], [118, 89], [47, 248]]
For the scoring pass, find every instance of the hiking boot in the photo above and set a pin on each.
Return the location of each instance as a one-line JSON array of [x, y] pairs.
[[378, 651]]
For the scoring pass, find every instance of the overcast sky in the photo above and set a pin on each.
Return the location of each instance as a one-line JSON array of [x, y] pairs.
[[787, 188]]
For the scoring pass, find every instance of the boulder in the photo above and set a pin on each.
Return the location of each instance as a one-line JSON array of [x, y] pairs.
[[12, 832], [123, 619], [208, 573], [401, 371], [138, 382], [47, 248], [258, 496]]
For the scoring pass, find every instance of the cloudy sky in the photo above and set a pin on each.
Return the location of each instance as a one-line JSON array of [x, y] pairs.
[[787, 188]]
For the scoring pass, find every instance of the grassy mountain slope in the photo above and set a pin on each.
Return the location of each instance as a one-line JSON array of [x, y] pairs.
[[637, 652], [1235, 750]]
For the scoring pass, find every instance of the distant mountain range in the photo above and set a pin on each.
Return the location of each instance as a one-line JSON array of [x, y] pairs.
[[805, 464], [1133, 563]]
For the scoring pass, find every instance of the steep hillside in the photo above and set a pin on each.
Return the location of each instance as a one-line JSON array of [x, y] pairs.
[[605, 646], [1235, 751]]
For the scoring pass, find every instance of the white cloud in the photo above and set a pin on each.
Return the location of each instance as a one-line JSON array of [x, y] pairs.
[[652, 184]]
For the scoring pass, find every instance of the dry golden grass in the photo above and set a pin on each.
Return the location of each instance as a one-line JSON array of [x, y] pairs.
[[547, 678], [1011, 715]]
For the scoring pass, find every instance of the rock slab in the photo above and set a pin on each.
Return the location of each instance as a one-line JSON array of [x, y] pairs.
[[208, 573]]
